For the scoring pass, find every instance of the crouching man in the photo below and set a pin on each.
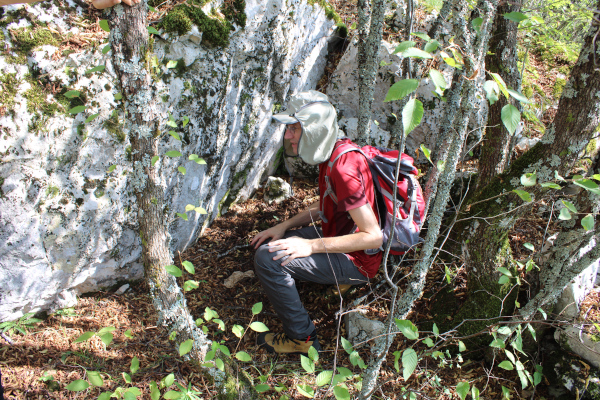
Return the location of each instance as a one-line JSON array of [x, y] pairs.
[[333, 254]]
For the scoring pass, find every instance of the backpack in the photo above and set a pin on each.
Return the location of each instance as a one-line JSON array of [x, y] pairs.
[[409, 196]]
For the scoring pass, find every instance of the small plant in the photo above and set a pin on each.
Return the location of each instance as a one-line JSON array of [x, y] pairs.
[[22, 325]]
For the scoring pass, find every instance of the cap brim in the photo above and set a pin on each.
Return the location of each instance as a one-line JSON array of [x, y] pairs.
[[285, 119]]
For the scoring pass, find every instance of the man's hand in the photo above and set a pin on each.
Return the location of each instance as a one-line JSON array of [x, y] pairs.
[[273, 233], [102, 4], [292, 247]]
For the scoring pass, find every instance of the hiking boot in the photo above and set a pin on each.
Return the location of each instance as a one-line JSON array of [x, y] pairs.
[[282, 344], [333, 290]]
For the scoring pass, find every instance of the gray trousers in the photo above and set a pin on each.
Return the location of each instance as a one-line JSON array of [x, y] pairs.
[[279, 282]]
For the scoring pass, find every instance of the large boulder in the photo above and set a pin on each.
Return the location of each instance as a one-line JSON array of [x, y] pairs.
[[68, 216]]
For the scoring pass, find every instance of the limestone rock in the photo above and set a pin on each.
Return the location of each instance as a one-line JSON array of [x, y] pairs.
[[69, 218], [361, 329], [277, 190]]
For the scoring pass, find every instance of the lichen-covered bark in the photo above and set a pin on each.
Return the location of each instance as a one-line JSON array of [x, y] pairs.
[[501, 59], [474, 49], [368, 69], [487, 222], [130, 54]]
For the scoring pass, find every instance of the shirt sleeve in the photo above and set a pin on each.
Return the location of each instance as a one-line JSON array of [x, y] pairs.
[[348, 176]]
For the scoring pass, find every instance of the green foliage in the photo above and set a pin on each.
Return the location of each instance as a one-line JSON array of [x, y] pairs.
[[21, 325], [342, 30], [558, 87], [235, 11], [177, 21], [10, 87], [330, 12], [27, 39], [115, 127]]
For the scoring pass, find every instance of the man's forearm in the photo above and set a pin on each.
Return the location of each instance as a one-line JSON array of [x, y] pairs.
[[347, 243]]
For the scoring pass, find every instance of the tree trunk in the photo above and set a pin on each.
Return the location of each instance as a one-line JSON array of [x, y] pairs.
[[456, 134], [501, 59], [486, 222], [131, 52], [367, 71]]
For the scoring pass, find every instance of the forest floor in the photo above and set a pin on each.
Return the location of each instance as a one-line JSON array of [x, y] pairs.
[[39, 364]]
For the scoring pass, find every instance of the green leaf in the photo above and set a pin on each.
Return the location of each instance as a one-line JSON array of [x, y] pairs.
[[210, 314], [529, 179], [243, 356], [99, 68], [172, 394], [220, 365], [153, 30], [190, 285], [95, 378], [511, 117], [168, 380], [307, 364], [504, 271], [186, 347], [106, 49], [261, 388], [154, 391], [341, 393], [106, 329], [414, 52], [173, 270], [175, 135], [586, 184], [154, 160], [172, 64], [189, 207], [84, 337], [412, 113], [238, 330], [408, 329], [498, 343], [72, 94], [492, 91], [78, 385], [461, 346], [507, 365], [173, 153], [436, 330], [402, 47], [409, 363], [397, 355], [462, 389], [537, 375], [550, 185], [515, 16], [128, 334], [401, 89], [476, 23], [106, 396], [421, 35], [324, 378], [104, 25], [126, 377], [258, 327], [426, 152], [347, 345], [503, 280], [588, 222], [428, 341], [189, 267], [118, 96], [431, 46], [438, 79], [529, 246], [506, 393], [135, 365], [474, 393], [306, 391], [525, 196], [570, 206], [221, 325], [518, 96], [172, 124], [107, 338], [257, 308], [501, 84], [313, 354], [111, 168], [152, 9], [564, 215], [77, 110], [197, 159], [182, 170], [185, 121], [91, 118]]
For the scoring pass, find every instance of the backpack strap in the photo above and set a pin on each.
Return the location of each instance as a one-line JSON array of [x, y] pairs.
[[329, 191]]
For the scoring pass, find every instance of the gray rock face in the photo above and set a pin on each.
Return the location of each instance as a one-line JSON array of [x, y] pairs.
[[68, 217]]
